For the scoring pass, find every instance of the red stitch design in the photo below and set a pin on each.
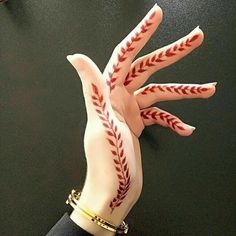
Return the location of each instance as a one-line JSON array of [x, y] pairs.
[[180, 89], [128, 47], [158, 58], [115, 140], [172, 121]]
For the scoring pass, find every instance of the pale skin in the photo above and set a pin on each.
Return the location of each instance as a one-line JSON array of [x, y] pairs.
[[118, 109]]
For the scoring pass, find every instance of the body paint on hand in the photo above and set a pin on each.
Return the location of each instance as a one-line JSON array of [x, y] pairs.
[[170, 120], [155, 59], [128, 47], [180, 89], [117, 148]]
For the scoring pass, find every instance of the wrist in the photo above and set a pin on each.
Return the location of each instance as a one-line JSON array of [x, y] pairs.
[[88, 225], [98, 200], [92, 222]]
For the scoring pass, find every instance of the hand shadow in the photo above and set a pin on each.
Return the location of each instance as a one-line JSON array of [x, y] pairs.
[[147, 137]]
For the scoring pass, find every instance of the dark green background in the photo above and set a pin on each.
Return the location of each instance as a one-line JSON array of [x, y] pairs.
[[189, 183]]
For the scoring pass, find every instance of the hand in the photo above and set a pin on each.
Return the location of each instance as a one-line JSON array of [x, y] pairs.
[[118, 109]]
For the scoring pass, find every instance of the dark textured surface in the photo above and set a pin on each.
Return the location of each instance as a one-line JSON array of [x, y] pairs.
[[190, 183]]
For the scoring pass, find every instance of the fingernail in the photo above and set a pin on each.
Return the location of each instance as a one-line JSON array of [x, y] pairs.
[[212, 83], [69, 57], [192, 127], [197, 28]]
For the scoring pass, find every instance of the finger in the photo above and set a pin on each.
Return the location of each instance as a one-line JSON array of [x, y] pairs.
[[145, 66], [125, 52], [96, 93], [153, 93], [154, 115]]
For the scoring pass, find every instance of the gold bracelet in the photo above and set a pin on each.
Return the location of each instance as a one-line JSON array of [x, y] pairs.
[[73, 201]]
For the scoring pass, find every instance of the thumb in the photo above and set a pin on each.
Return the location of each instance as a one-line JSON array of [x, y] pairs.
[[95, 90], [87, 70]]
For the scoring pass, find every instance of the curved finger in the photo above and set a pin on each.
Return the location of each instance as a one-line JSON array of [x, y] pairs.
[[154, 115], [145, 66], [125, 52], [153, 93]]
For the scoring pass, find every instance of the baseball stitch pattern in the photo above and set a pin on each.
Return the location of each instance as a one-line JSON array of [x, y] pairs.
[[129, 47], [180, 89], [170, 120], [117, 149], [158, 58]]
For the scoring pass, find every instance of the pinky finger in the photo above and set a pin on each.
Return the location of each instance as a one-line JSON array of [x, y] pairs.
[[154, 115]]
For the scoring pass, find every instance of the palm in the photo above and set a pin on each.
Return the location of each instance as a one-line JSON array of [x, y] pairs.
[[126, 109]]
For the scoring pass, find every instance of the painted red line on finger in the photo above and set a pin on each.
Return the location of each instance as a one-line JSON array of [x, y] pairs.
[[170, 120], [129, 46], [155, 59], [180, 89], [115, 140]]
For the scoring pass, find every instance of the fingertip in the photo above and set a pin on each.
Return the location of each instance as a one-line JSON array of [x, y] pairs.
[[78, 61], [158, 10], [209, 90], [201, 33], [190, 129], [214, 83], [211, 84], [213, 90], [198, 31], [69, 57], [187, 131], [195, 37], [76, 56]]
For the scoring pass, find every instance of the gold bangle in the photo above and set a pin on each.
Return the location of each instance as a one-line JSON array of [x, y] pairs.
[[73, 201]]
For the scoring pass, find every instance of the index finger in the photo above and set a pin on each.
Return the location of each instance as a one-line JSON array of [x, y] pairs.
[[125, 52]]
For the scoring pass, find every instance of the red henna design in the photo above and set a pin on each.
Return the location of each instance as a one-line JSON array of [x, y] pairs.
[[158, 58], [128, 47], [171, 120], [180, 89], [115, 140]]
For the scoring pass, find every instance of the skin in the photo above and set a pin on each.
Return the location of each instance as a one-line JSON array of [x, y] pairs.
[[118, 109]]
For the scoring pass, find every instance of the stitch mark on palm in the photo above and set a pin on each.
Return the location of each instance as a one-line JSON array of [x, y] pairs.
[[162, 56], [115, 140], [170, 120], [180, 89], [129, 47]]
